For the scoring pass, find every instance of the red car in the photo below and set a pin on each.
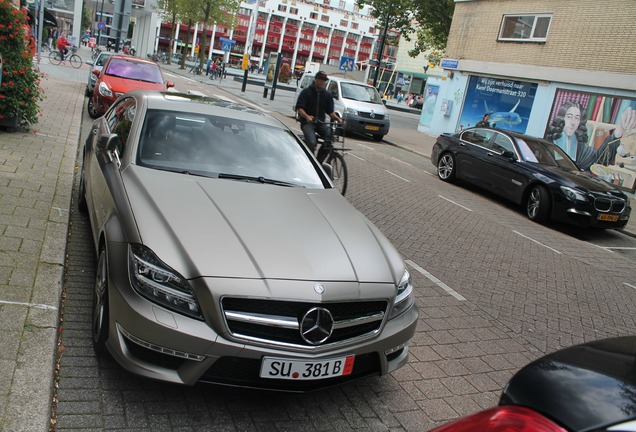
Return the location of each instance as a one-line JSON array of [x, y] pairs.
[[122, 74]]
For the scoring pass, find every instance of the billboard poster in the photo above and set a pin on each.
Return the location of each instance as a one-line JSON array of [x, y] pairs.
[[430, 97], [270, 70], [598, 131], [508, 102]]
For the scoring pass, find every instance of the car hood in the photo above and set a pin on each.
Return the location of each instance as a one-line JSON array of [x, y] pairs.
[[227, 228], [586, 387], [581, 178], [123, 85]]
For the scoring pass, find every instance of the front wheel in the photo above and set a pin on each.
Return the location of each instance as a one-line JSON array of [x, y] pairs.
[[55, 58], [76, 61], [446, 167], [100, 303], [538, 204], [92, 112], [339, 171]]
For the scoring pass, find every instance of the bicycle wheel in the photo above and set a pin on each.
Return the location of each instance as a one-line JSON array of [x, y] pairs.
[[339, 171], [55, 58], [76, 61]]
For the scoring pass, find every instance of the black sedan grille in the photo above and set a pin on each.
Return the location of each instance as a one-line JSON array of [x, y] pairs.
[[605, 204], [260, 320]]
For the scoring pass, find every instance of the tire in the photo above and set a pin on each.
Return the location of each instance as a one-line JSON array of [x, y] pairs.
[[100, 318], [81, 194], [92, 112], [446, 167], [55, 58], [76, 61], [378, 137], [132, 52], [538, 205], [339, 171]]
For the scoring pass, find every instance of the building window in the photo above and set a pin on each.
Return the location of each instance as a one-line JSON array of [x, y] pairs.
[[282, 8], [313, 15], [293, 11], [344, 23], [528, 28], [324, 18], [354, 26], [342, 4]]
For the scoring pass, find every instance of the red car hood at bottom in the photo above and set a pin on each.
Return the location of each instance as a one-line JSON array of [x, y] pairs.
[[226, 228]]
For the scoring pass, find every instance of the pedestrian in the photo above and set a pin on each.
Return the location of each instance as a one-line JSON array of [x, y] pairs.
[[214, 70], [207, 67], [312, 105], [484, 121], [62, 46]]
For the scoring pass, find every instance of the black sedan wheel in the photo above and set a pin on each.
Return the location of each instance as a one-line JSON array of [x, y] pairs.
[[538, 204], [100, 303], [446, 167]]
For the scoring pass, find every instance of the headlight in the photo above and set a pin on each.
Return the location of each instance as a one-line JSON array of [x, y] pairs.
[[573, 194], [387, 116], [104, 90], [160, 284], [351, 111], [404, 297]]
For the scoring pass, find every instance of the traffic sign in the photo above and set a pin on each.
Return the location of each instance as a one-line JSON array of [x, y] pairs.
[[226, 47], [101, 25], [346, 63]]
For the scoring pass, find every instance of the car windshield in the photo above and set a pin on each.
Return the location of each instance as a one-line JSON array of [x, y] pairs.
[[361, 93], [222, 147], [541, 152], [122, 68], [101, 59]]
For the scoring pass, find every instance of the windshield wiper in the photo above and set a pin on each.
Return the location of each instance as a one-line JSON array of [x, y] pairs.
[[260, 179], [186, 172]]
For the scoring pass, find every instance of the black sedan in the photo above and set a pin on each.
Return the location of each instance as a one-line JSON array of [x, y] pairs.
[[588, 387], [531, 172]]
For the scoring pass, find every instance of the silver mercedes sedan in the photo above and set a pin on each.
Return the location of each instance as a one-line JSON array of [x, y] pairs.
[[225, 254]]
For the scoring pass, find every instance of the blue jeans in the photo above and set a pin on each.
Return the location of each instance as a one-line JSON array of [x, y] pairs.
[[310, 130]]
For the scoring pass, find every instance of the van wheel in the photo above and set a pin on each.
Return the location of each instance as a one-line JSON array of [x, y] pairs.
[[378, 137]]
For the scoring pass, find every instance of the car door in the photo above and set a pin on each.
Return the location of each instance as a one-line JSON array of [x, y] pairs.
[[506, 176], [472, 153]]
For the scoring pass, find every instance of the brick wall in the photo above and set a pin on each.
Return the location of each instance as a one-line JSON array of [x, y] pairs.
[[584, 34]]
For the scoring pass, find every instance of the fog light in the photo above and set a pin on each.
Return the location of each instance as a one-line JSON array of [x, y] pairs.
[[394, 349]]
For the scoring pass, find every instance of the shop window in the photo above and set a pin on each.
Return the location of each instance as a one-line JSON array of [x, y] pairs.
[[525, 28]]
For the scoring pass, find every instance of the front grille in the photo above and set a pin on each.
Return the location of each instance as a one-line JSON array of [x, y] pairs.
[[614, 205], [245, 373], [376, 116], [278, 322]]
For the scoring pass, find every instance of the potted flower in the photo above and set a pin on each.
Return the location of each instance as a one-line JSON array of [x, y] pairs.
[[20, 89]]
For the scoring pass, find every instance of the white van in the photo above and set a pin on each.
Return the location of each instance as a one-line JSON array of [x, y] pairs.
[[358, 103]]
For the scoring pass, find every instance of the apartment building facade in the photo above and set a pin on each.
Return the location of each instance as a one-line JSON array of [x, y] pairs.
[[322, 31], [527, 62]]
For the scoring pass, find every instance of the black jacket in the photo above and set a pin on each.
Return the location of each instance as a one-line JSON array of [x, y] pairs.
[[315, 103]]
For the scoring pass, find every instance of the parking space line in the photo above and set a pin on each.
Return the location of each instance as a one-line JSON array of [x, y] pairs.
[[629, 285], [356, 156], [401, 178], [31, 305], [396, 159], [366, 147], [436, 281], [537, 242], [617, 248], [451, 201]]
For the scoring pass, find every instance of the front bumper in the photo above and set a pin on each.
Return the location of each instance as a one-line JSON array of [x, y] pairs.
[[157, 343], [366, 125], [588, 216]]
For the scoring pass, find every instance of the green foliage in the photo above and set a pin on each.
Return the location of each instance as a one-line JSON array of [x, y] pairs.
[[86, 17], [428, 20], [20, 91]]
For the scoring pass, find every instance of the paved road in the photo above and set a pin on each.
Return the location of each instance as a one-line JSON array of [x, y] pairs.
[[511, 291]]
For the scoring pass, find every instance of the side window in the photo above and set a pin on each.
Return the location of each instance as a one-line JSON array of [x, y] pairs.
[[332, 88], [502, 143], [480, 137], [120, 119]]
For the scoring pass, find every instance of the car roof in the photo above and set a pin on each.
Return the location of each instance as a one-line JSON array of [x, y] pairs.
[[338, 78], [196, 104]]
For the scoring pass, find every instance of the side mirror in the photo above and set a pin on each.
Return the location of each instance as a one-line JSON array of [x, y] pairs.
[[509, 154], [90, 63], [96, 72], [169, 84], [334, 93], [384, 101], [109, 144]]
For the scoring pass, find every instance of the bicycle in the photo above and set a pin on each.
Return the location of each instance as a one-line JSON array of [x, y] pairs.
[[335, 155], [95, 51], [196, 69], [55, 58]]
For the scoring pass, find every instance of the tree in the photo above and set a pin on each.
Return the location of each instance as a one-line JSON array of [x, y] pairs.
[[428, 20], [170, 9], [219, 12]]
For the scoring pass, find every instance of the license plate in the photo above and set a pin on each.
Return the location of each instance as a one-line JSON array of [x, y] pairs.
[[370, 127], [607, 217], [293, 369]]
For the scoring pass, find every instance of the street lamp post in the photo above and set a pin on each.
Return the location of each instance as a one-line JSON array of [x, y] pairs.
[[99, 30], [382, 42]]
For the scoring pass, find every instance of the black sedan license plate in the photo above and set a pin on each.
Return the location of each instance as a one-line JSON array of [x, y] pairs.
[[298, 369], [607, 217]]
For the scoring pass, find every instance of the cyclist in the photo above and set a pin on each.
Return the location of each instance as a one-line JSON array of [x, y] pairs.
[[312, 105], [62, 44]]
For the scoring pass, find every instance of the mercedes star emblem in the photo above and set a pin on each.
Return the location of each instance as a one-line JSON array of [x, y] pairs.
[[316, 326]]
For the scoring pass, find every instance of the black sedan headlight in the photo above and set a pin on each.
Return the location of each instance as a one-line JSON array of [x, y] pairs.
[[574, 195], [159, 283], [404, 297]]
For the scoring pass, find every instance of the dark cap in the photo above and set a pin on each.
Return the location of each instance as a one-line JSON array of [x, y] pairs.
[[321, 75]]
